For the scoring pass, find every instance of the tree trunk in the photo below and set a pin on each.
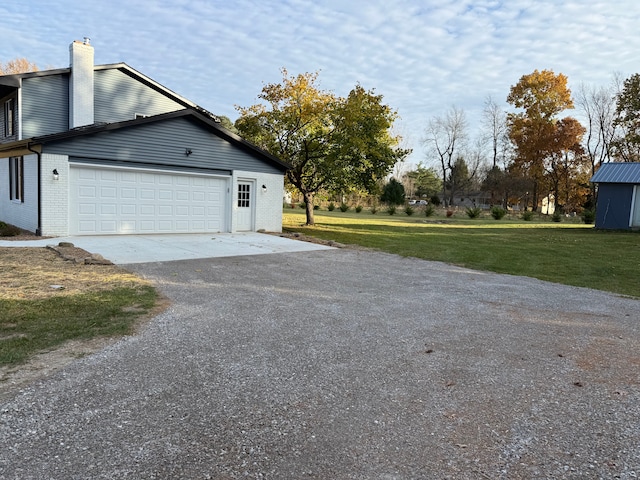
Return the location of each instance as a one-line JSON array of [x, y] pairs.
[[308, 201]]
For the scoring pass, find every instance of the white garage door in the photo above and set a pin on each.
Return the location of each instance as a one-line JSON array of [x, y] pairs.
[[110, 201]]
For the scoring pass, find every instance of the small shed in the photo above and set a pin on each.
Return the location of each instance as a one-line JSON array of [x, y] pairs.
[[618, 205]]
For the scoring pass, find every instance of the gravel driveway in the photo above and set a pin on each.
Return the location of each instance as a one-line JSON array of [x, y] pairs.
[[344, 364]]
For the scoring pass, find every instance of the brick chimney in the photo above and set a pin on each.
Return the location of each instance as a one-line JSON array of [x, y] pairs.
[[81, 84]]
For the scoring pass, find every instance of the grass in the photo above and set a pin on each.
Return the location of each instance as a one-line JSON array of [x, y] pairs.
[[570, 252], [30, 326], [46, 301]]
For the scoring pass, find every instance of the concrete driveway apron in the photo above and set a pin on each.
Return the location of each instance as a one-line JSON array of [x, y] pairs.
[[128, 249], [344, 364]]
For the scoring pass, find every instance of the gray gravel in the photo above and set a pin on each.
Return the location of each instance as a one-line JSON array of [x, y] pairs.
[[344, 364]]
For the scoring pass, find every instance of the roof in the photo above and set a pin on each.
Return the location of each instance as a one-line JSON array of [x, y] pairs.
[[31, 145], [617, 172], [10, 82]]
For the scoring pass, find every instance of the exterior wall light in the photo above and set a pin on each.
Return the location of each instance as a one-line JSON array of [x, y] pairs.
[[264, 189], [56, 176], [187, 152]]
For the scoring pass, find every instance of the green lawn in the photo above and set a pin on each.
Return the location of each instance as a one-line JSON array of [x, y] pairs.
[[30, 326], [568, 252]]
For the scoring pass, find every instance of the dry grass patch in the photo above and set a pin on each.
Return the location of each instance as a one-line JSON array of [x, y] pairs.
[[30, 273]]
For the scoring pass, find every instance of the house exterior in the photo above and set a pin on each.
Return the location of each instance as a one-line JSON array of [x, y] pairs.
[[100, 150], [618, 204]]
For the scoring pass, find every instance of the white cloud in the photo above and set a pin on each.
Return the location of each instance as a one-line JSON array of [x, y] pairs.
[[422, 56]]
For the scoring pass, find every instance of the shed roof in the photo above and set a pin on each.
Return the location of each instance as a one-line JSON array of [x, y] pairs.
[[617, 172]]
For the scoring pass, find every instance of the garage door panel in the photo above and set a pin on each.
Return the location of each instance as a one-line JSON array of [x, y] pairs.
[[117, 201], [105, 208]]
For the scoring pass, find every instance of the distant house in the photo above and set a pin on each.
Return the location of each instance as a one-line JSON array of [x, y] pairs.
[[96, 150], [618, 205]]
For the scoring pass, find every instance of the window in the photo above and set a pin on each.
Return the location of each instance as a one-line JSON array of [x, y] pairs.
[[9, 117], [244, 194], [16, 179]]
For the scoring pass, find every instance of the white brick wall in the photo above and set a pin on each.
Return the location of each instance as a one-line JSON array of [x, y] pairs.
[[55, 195], [21, 214], [268, 205]]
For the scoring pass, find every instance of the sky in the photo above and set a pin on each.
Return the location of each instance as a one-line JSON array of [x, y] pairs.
[[423, 56]]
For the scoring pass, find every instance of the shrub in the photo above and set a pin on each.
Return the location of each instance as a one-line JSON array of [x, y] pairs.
[[7, 230], [435, 200], [588, 215], [391, 209], [316, 207], [344, 207], [358, 208], [293, 205], [556, 217], [429, 210], [331, 207], [473, 212], [303, 206], [374, 210], [409, 210], [498, 212], [527, 215], [449, 213]]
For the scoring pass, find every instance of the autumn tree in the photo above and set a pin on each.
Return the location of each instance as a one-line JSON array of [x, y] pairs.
[[535, 132], [567, 163], [445, 138], [627, 119], [332, 143], [17, 65]]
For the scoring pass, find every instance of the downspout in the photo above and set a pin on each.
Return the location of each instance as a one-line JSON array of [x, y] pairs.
[[39, 154]]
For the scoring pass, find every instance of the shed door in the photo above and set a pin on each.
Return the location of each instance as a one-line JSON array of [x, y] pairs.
[[635, 214], [107, 201]]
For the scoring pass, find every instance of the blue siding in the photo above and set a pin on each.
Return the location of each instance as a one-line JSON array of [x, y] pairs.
[[45, 105], [614, 205], [163, 143], [118, 98]]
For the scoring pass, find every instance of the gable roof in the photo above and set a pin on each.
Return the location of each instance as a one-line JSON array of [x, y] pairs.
[[10, 82], [617, 172], [24, 147]]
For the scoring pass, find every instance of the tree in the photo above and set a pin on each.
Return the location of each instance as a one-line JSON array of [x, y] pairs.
[[627, 119], [495, 125], [598, 107], [445, 136], [542, 95], [227, 123], [332, 143], [392, 193], [425, 181], [566, 161], [17, 65], [459, 178]]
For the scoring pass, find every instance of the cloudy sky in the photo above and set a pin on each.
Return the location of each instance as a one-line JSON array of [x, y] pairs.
[[423, 56]]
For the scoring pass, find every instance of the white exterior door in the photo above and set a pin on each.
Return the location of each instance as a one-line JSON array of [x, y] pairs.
[[105, 201], [245, 206]]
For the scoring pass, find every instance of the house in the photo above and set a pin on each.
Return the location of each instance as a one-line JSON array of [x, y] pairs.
[[618, 204], [99, 150]]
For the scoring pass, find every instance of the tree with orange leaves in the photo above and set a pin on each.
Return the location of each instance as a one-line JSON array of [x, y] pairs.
[[537, 134]]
